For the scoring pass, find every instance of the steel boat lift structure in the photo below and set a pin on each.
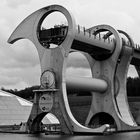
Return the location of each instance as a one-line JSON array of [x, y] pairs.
[[109, 53]]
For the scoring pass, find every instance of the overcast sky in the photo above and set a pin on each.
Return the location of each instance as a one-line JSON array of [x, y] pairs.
[[19, 64]]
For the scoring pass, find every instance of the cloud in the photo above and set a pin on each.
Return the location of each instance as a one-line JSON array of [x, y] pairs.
[[82, 72], [16, 3], [6, 80], [19, 85], [19, 62], [78, 65], [132, 72], [11, 77], [19, 65], [21, 54], [77, 59]]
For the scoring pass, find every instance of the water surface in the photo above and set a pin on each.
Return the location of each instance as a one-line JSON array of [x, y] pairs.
[[119, 136]]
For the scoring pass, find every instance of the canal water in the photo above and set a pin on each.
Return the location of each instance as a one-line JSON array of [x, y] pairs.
[[119, 136]]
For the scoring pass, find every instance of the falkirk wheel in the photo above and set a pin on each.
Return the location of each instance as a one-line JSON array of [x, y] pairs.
[[109, 53]]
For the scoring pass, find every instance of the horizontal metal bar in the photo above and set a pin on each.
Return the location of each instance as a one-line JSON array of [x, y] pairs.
[[89, 43], [86, 84]]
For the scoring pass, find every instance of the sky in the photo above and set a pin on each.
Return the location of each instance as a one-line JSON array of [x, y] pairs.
[[19, 62]]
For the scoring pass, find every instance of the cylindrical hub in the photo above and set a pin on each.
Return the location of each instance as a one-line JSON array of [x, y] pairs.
[[86, 84]]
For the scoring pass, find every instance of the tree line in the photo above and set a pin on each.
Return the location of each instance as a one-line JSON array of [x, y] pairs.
[[133, 86], [133, 89], [27, 93]]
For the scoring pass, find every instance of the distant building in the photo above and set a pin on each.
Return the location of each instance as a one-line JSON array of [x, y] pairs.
[[14, 110]]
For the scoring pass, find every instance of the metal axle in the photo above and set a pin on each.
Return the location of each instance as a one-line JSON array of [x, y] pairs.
[[86, 84]]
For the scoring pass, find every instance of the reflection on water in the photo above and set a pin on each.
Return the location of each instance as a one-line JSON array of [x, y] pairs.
[[119, 136]]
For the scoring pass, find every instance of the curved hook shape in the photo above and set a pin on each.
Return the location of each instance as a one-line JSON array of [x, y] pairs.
[[121, 94], [78, 127], [28, 28]]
